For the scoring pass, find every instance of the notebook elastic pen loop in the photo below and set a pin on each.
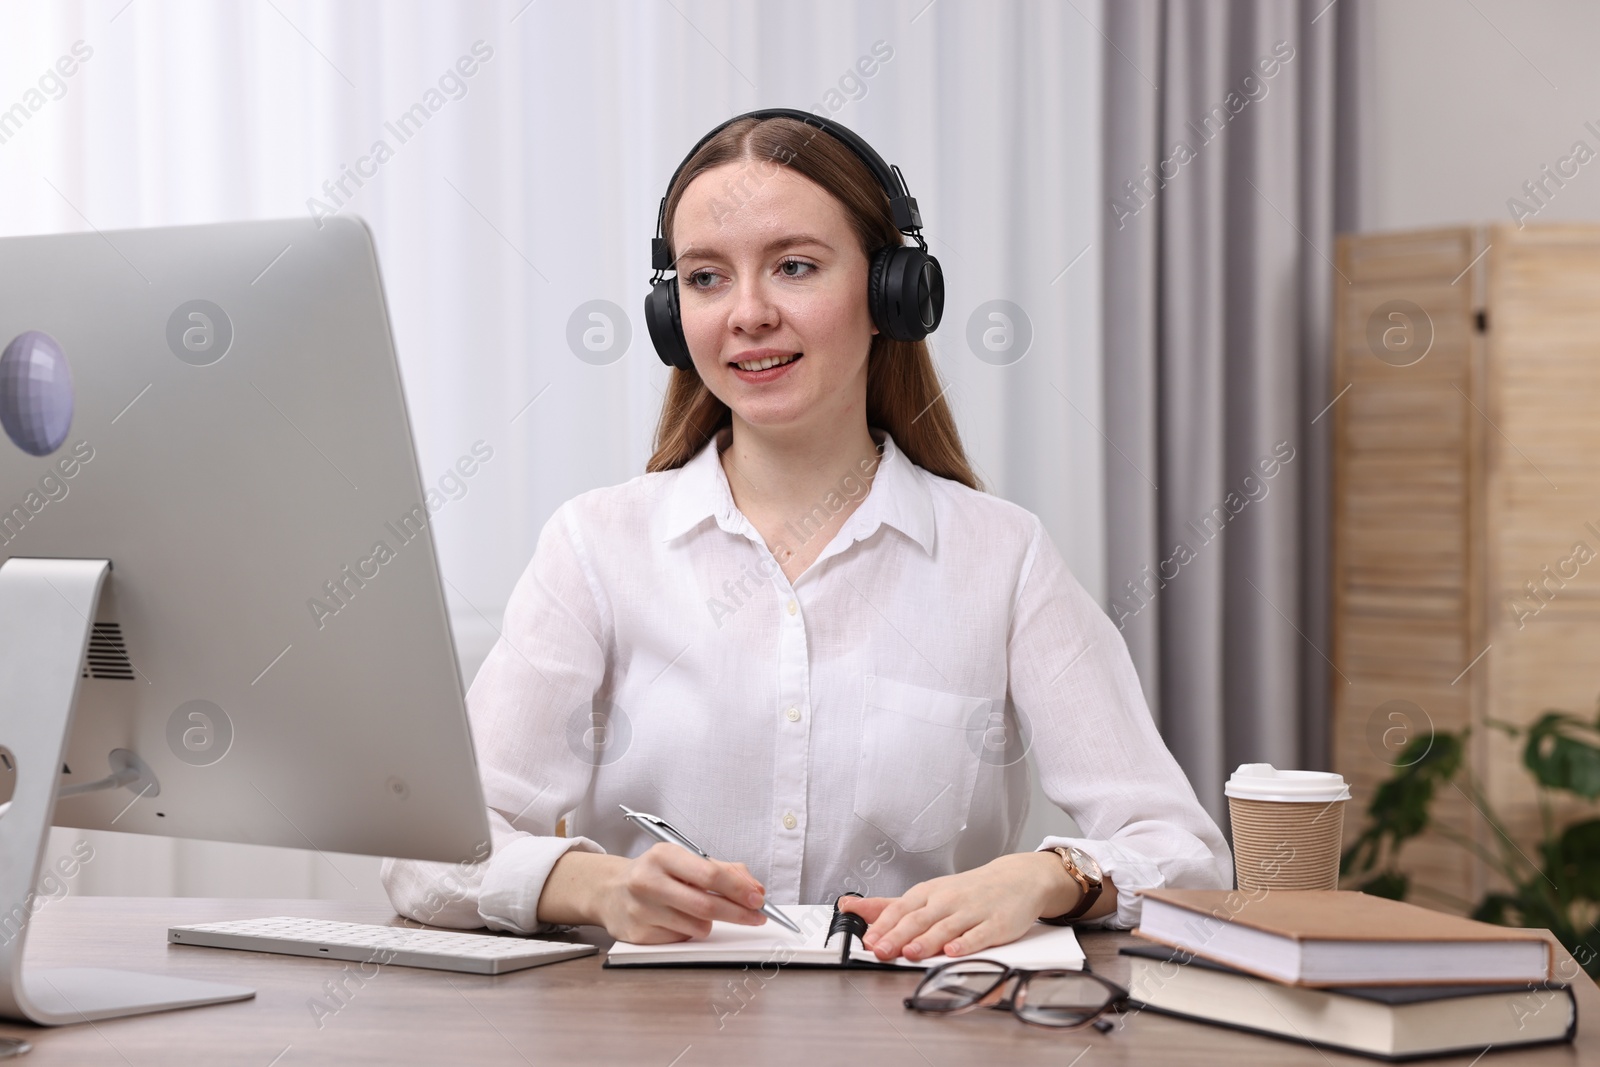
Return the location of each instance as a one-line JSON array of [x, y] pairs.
[[847, 923]]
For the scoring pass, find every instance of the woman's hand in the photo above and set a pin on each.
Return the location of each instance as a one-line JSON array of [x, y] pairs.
[[960, 914], [670, 894]]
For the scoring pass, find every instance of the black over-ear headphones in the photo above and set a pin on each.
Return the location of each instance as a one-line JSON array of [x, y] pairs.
[[905, 287]]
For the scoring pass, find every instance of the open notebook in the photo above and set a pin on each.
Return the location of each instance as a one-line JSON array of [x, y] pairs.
[[1041, 948]]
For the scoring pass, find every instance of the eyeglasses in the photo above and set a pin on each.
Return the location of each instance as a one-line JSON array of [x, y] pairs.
[[1061, 999]]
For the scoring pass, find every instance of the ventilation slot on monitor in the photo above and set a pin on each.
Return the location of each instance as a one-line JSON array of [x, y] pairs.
[[108, 656]]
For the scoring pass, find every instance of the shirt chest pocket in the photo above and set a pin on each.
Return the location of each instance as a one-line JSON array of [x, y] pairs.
[[919, 761]]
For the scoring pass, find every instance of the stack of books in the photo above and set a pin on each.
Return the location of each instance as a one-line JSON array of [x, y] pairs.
[[1348, 971]]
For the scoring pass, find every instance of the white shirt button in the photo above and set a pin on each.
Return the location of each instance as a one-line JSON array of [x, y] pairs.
[[789, 821], [793, 714], [793, 607]]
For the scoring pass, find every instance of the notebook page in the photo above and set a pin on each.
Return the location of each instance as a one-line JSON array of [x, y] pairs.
[[1042, 947], [730, 941]]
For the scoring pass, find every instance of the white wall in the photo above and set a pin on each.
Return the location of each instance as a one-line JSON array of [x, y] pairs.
[[537, 191], [1467, 101]]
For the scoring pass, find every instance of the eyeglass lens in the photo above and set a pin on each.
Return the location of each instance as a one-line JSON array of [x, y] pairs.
[[1062, 999], [958, 985]]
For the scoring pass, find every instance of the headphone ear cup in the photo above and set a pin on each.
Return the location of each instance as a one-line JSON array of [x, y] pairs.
[[935, 281], [906, 292], [666, 328], [876, 304]]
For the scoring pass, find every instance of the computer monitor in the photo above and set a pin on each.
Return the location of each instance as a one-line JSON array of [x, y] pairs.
[[221, 615]]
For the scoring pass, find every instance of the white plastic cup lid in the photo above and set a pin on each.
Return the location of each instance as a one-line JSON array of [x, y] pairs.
[[1263, 781]]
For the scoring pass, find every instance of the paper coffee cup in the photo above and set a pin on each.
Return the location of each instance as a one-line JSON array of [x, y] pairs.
[[1287, 827]]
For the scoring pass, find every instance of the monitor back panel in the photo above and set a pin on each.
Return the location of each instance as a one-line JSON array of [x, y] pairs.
[[273, 639]]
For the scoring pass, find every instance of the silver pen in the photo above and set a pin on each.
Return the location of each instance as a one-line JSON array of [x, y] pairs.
[[662, 830]]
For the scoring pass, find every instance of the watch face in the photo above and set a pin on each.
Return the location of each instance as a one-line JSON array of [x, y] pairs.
[[1085, 863]]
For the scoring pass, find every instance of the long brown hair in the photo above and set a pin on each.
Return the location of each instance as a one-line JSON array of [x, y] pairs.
[[903, 392]]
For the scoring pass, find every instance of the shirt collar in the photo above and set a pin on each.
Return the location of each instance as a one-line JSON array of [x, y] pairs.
[[899, 496]]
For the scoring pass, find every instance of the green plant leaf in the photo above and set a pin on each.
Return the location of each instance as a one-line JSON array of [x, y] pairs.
[[1563, 752], [1577, 856], [1436, 755], [1583, 951], [1362, 855], [1402, 804], [1398, 810], [1552, 863], [1392, 884], [1497, 908], [1535, 908]]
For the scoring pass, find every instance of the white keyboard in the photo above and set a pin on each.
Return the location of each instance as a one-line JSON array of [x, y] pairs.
[[445, 950]]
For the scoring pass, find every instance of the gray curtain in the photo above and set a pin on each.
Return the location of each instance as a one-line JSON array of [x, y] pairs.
[[1223, 137]]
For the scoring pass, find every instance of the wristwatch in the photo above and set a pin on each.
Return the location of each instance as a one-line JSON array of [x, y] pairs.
[[1086, 872]]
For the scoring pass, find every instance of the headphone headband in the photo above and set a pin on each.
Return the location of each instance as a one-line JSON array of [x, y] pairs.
[[902, 205]]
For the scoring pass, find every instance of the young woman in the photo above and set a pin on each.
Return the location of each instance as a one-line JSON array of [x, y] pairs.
[[812, 642]]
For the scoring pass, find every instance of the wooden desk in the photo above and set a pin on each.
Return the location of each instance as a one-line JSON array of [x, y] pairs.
[[573, 1012]]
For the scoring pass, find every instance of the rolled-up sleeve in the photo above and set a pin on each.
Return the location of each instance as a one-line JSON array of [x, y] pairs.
[[1099, 755], [529, 707]]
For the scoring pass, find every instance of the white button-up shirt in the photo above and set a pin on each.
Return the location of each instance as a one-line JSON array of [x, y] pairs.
[[864, 728]]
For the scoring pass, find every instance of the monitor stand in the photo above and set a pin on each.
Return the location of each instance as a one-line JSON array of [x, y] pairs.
[[46, 609]]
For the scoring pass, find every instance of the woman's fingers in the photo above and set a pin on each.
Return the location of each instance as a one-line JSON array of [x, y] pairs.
[[646, 933], [649, 918], [931, 941], [869, 908], [699, 905], [891, 917], [956, 914], [686, 893], [725, 879], [742, 869], [986, 934], [888, 917], [893, 939]]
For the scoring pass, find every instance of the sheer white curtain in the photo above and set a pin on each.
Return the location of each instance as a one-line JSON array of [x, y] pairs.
[[506, 198]]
